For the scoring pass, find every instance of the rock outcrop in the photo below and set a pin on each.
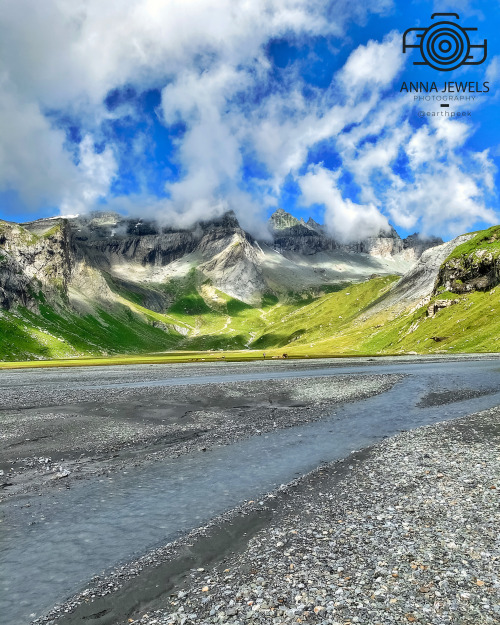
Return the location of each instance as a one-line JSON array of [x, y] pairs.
[[15, 286], [476, 271], [439, 304], [34, 257]]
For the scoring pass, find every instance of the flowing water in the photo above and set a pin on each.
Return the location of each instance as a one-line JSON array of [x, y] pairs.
[[52, 548]]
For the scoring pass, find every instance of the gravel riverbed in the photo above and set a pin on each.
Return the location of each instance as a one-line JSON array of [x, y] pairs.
[[406, 533], [311, 550], [54, 434]]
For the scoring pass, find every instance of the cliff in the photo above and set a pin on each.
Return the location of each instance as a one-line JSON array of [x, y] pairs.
[[474, 265], [34, 258]]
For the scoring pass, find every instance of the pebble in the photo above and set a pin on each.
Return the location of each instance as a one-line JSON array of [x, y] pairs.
[[408, 535]]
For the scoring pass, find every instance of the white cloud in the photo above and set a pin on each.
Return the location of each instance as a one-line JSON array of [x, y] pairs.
[[210, 151], [449, 186], [68, 54], [345, 220], [34, 162], [208, 58], [493, 69], [373, 65], [26, 136], [423, 178], [443, 198], [94, 175]]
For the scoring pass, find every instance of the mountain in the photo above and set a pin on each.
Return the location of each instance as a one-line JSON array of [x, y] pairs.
[[75, 253], [294, 235], [448, 302], [104, 284]]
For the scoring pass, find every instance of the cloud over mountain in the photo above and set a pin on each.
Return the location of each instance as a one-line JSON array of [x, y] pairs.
[[238, 115]]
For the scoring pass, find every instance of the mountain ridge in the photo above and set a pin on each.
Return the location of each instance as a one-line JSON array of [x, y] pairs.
[[296, 235], [102, 284], [144, 251]]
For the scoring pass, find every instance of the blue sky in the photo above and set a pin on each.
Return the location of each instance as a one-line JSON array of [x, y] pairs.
[[180, 110]]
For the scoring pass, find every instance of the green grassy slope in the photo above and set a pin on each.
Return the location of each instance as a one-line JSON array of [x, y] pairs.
[[471, 325], [323, 318], [59, 334], [197, 317], [488, 240], [334, 323]]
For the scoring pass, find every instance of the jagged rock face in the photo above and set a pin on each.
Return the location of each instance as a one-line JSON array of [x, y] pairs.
[[15, 287], [36, 255], [112, 240], [293, 235], [385, 244], [90, 282], [302, 240], [119, 241], [159, 250], [281, 220], [227, 255], [417, 245], [478, 271], [70, 255], [236, 270], [77, 257]]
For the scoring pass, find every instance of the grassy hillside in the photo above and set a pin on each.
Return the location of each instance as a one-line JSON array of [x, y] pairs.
[[198, 318], [338, 324], [192, 316], [61, 334], [323, 318], [471, 325], [488, 240], [331, 324]]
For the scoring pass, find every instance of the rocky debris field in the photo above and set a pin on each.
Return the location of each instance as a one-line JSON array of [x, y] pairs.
[[406, 534], [52, 434]]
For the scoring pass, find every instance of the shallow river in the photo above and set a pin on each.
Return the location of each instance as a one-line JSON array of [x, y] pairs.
[[82, 531]]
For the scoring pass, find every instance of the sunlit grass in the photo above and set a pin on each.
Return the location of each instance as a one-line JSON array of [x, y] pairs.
[[202, 324]]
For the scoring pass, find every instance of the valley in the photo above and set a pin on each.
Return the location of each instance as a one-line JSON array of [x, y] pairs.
[[104, 287], [115, 479], [249, 313]]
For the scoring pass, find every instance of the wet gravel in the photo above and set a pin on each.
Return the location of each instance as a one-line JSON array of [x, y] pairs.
[[49, 435], [449, 397], [70, 434], [408, 534]]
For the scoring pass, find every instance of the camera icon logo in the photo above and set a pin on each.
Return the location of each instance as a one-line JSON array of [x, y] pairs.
[[445, 45]]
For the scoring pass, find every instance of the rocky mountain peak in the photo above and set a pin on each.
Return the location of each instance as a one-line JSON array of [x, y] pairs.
[[309, 238], [280, 220], [314, 225]]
